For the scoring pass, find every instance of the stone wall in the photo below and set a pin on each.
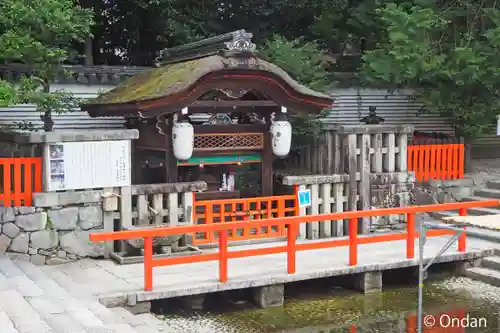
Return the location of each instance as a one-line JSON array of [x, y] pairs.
[[51, 235]]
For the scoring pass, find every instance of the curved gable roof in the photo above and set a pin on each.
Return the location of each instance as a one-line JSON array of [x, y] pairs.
[[171, 87]]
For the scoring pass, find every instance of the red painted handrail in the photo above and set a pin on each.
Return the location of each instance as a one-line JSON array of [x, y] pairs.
[[291, 248]]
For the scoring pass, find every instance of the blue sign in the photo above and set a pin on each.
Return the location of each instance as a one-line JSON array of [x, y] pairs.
[[304, 198]]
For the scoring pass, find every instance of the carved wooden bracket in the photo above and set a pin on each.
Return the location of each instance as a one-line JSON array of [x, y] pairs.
[[161, 125]]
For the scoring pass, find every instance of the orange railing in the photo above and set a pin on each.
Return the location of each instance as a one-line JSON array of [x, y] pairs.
[[243, 209], [291, 247], [20, 177], [437, 161]]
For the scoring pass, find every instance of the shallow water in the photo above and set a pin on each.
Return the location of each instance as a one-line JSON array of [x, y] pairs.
[[456, 304]]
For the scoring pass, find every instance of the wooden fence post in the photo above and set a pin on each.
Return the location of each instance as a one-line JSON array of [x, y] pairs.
[[108, 224]]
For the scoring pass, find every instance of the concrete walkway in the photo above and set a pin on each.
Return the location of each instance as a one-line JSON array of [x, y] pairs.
[[64, 298]]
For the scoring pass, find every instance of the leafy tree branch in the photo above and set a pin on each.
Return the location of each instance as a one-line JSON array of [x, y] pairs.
[[39, 34], [447, 52], [304, 62]]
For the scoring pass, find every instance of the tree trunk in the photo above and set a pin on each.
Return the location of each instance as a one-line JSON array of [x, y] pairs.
[[48, 123], [89, 56]]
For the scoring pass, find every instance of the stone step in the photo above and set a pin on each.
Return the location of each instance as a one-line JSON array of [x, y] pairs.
[[116, 328], [444, 213], [21, 314], [492, 262], [61, 311], [482, 211], [6, 325], [56, 306], [486, 275], [144, 322], [488, 193], [493, 185], [479, 233], [127, 316], [479, 198]]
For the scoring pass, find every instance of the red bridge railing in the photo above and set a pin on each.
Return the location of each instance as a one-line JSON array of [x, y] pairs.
[[291, 248]]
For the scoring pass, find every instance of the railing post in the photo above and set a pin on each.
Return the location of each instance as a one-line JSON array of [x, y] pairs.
[[209, 218], [281, 207], [411, 324], [148, 263], [223, 256], [353, 241], [292, 237], [462, 240], [296, 192], [410, 236]]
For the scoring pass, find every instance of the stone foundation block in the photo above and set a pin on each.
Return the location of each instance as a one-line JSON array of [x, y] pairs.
[[193, 302], [269, 296], [139, 308], [462, 266], [37, 260], [368, 282], [4, 243]]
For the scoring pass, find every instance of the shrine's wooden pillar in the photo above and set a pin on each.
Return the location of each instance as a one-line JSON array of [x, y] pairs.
[[136, 156], [171, 175], [267, 161]]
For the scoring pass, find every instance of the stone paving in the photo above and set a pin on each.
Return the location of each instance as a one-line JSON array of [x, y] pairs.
[[32, 301], [64, 298]]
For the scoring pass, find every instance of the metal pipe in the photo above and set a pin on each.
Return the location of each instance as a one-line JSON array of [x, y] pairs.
[[422, 270], [421, 242], [443, 250]]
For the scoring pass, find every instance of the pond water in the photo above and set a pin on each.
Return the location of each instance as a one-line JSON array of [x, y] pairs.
[[451, 305]]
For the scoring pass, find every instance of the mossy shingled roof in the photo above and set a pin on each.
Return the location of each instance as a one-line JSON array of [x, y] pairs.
[[175, 78]]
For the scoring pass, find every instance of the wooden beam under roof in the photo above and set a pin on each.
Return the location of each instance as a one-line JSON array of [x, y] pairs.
[[231, 106]]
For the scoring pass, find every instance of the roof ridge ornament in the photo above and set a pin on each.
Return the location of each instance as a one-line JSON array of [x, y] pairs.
[[242, 42], [236, 41]]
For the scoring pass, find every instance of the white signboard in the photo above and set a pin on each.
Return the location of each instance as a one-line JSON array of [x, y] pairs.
[[304, 198], [91, 164]]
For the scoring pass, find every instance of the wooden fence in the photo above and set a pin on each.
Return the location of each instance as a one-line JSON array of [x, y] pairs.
[[156, 204], [333, 194], [20, 177], [440, 159]]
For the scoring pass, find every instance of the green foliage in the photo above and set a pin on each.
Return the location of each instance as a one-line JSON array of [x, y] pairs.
[[141, 28], [448, 53], [39, 34], [303, 62], [344, 25]]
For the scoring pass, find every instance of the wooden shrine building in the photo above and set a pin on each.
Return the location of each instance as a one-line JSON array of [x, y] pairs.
[[242, 94]]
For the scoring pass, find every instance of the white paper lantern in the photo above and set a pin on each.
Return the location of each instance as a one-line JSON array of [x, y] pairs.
[[183, 140], [281, 137]]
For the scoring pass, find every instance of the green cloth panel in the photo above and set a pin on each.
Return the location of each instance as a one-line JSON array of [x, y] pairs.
[[222, 159]]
